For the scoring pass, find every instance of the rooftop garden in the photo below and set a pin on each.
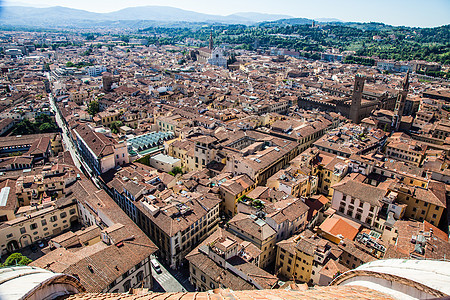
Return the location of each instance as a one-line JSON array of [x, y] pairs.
[[256, 203]]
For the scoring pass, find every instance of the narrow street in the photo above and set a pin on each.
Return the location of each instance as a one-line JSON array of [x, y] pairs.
[[69, 145], [167, 281]]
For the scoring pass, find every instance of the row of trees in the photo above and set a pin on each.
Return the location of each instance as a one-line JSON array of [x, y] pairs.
[[78, 65], [350, 59]]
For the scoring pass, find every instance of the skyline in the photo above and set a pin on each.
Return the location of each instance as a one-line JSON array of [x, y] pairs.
[[412, 13]]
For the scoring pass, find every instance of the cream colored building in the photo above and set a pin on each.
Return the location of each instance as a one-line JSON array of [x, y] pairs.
[[171, 123], [36, 224], [108, 117], [292, 182], [184, 150], [78, 97], [412, 152]]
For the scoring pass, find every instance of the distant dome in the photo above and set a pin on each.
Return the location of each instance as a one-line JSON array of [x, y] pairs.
[[401, 278], [24, 282]]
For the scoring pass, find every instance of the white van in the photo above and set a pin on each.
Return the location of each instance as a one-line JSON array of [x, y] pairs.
[[156, 265]]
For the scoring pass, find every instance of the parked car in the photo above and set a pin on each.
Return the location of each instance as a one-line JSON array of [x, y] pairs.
[[156, 266]]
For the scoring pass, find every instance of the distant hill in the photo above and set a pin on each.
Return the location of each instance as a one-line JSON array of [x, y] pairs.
[[67, 17], [328, 20], [284, 22], [49, 16], [259, 17]]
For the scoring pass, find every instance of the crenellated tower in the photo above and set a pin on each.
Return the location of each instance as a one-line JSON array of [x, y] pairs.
[[400, 103], [355, 108]]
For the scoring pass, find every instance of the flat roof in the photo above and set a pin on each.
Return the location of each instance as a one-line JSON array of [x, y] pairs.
[[4, 193], [165, 159]]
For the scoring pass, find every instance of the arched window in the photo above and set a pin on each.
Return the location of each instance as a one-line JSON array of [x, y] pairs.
[[127, 285]]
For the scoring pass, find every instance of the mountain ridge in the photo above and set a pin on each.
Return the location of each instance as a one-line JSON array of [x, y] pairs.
[[63, 16]]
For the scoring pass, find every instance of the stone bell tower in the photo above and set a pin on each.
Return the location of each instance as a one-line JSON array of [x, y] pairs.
[[211, 42], [400, 103], [355, 108]]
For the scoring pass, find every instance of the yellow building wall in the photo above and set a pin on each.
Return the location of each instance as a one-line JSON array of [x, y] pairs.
[[432, 213], [267, 247], [296, 266]]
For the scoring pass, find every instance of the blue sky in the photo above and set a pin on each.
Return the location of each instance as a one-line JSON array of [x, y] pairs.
[[423, 13]]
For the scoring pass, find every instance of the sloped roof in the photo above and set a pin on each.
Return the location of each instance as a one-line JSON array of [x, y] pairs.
[[361, 191], [336, 225]]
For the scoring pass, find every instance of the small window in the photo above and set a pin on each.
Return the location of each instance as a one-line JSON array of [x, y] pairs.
[[33, 226], [44, 222], [9, 235], [112, 284], [63, 214], [23, 230], [203, 278], [53, 218]]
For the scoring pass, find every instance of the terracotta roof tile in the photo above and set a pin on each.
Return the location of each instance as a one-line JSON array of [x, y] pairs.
[[328, 292]]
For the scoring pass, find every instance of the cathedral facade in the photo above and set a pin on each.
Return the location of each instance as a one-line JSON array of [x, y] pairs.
[[211, 55]]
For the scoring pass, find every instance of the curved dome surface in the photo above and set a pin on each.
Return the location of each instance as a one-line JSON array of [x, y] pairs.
[[24, 282]]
